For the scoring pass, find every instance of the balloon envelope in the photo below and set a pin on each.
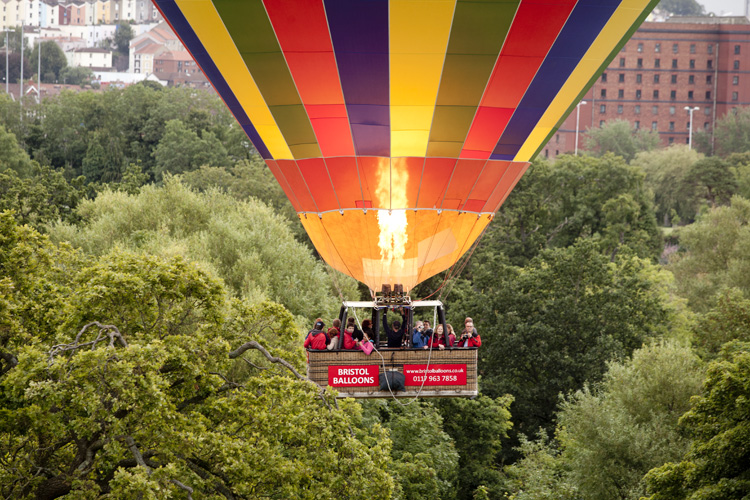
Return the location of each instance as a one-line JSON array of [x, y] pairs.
[[397, 128]]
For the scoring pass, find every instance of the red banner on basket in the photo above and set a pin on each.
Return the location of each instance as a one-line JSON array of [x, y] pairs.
[[354, 376], [435, 375]]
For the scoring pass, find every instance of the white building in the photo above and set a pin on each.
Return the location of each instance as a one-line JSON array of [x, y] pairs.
[[90, 58]]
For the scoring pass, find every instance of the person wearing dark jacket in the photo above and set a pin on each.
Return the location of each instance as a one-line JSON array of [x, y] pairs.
[[317, 339], [396, 331]]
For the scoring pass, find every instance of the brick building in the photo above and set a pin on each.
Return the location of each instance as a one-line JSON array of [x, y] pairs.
[[701, 62]]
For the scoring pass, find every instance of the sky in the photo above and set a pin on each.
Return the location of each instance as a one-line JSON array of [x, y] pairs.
[[724, 7]]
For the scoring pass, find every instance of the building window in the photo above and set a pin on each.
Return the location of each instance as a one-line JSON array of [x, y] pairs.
[[637, 109], [690, 95], [639, 63], [673, 95], [654, 125], [672, 110], [705, 125], [708, 95], [603, 108], [640, 48], [656, 94], [657, 63], [707, 110], [654, 110], [638, 93], [604, 93], [619, 109], [691, 79], [601, 123], [671, 126], [557, 138], [675, 48], [735, 80], [674, 63], [737, 49], [710, 64], [638, 78], [709, 78], [674, 79], [692, 48], [604, 77], [710, 48], [671, 140], [656, 78], [621, 77], [692, 64], [621, 94], [737, 64], [622, 62], [735, 96], [657, 47], [637, 125]]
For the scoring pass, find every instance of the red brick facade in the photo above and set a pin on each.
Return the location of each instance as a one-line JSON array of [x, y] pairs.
[[665, 67]]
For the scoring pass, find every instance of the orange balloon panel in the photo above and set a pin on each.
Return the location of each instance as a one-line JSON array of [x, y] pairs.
[[433, 241]]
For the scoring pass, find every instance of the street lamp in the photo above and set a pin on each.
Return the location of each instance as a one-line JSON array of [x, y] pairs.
[[690, 125], [578, 119]]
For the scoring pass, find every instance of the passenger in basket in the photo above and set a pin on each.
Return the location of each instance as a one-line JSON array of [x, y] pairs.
[[418, 339], [469, 336], [337, 325], [349, 342], [367, 328], [451, 335], [333, 335], [396, 331], [427, 330], [357, 333], [317, 339]]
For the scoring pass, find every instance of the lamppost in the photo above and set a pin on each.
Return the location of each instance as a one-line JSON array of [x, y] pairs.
[[7, 51], [578, 119], [690, 125]]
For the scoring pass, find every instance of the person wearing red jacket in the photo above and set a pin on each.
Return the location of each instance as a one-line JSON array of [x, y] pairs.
[[317, 339], [349, 342], [470, 337]]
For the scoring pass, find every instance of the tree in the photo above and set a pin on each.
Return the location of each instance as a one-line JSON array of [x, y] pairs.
[[682, 7], [612, 436], [553, 325], [620, 138], [75, 75], [180, 398], [716, 465], [424, 459], [12, 156], [181, 150], [732, 132], [712, 180], [729, 320], [540, 474], [666, 172], [53, 61], [478, 427], [245, 243], [716, 256], [739, 163]]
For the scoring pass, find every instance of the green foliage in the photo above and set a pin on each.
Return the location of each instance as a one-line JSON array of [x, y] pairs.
[[75, 75], [717, 256], [424, 460], [477, 427], [12, 156], [555, 204], [154, 402], [553, 325], [712, 180], [613, 436], [666, 173], [732, 133], [620, 138], [740, 165], [716, 466], [123, 35], [245, 243], [540, 474], [682, 7], [729, 320], [182, 149], [53, 61]]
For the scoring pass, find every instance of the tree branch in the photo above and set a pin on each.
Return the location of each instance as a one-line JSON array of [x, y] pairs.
[[110, 331], [184, 487], [9, 360]]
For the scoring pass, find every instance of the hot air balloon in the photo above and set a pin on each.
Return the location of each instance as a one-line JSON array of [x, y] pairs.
[[397, 128]]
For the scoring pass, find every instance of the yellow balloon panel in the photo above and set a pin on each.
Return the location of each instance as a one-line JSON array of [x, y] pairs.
[[374, 248]]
